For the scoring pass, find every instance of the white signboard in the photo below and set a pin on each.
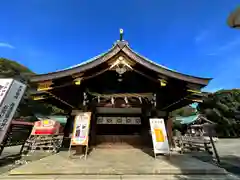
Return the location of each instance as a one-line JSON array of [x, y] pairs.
[[81, 129], [4, 87], [159, 136], [10, 100]]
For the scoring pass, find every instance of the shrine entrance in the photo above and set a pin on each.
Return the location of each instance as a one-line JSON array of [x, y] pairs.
[[120, 128], [119, 141]]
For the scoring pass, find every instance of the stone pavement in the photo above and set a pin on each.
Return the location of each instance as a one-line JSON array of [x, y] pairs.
[[118, 162], [136, 161], [229, 152], [122, 177], [11, 150]]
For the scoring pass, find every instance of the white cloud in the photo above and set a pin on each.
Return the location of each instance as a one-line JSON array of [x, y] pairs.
[[6, 45], [228, 46], [212, 89], [212, 54], [201, 36]]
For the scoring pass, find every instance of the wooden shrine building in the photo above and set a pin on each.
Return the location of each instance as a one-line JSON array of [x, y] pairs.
[[123, 90]]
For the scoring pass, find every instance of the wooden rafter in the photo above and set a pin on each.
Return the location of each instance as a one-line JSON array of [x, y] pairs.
[[59, 99]]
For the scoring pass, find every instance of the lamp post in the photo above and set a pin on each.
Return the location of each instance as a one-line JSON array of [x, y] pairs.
[[234, 19]]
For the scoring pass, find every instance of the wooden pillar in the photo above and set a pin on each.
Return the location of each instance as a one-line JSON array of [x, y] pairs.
[[67, 130], [93, 124], [145, 126], [169, 126]]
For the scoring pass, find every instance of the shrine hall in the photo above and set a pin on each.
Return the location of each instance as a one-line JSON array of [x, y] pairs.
[[123, 90]]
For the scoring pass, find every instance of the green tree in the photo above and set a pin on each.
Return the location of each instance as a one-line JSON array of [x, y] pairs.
[[184, 111], [27, 107], [223, 107]]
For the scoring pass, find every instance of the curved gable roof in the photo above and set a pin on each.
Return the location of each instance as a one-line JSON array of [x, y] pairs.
[[123, 47]]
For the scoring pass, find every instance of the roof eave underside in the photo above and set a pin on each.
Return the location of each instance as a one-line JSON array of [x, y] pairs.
[[234, 19], [129, 52]]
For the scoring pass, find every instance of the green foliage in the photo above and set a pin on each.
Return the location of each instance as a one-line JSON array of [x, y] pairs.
[[27, 107], [12, 69], [184, 111], [223, 107]]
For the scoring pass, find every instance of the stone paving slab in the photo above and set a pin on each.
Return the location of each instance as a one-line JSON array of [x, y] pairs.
[[10, 151], [123, 177], [117, 162]]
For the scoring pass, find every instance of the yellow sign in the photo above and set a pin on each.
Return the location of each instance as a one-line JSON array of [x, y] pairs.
[[46, 122], [159, 135]]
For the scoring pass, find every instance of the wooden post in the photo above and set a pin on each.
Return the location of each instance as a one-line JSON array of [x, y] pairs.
[[29, 133], [169, 125], [7, 136], [86, 151], [210, 129]]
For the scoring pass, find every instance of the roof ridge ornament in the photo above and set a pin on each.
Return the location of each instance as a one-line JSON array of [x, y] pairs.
[[121, 43], [121, 34]]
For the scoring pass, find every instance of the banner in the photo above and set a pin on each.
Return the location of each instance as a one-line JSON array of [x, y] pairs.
[[159, 136], [81, 129], [11, 94]]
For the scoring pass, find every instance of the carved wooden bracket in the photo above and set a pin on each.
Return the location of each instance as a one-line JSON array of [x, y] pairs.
[[44, 86], [121, 66]]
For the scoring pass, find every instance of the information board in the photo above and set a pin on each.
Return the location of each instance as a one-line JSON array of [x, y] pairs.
[[159, 136], [11, 94], [4, 87], [81, 129]]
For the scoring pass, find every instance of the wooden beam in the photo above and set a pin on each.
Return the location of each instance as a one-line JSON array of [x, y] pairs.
[[176, 102], [195, 100], [37, 98], [46, 88], [59, 99], [194, 91]]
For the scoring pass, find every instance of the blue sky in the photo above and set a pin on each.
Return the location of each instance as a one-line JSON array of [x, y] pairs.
[[190, 36]]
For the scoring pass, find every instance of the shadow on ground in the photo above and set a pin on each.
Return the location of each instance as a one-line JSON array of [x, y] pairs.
[[13, 161], [8, 163], [231, 163]]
